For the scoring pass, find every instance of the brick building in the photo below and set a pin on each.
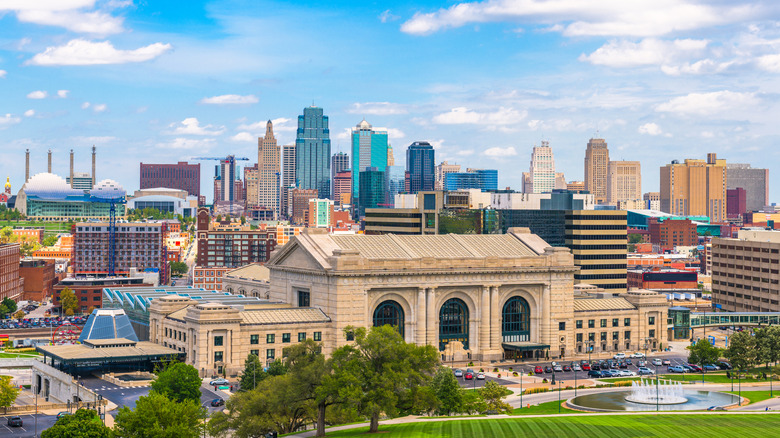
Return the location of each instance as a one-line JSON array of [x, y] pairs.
[[182, 176], [736, 203], [300, 203], [89, 291], [671, 233], [33, 234], [38, 278], [11, 284], [208, 278], [231, 248], [662, 279]]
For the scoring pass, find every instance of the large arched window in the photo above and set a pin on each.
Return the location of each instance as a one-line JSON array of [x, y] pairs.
[[516, 325], [389, 312], [454, 323]]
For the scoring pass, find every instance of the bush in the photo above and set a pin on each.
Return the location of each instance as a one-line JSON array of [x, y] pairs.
[[498, 376], [510, 368], [514, 374], [481, 370], [536, 390], [544, 380], [622, 383], [471, 364], [495, 370]]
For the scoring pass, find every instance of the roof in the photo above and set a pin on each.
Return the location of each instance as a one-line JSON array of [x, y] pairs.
[[82, 352], [253, 271], [600, 304], [108, 324], [290, 315]]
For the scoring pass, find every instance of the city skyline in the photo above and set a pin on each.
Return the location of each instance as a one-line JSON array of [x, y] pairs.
[[156, 84]]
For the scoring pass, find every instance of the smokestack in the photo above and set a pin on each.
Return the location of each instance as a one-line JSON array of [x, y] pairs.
[[93, 165], [26, 165], [71, 168], [49, 160]]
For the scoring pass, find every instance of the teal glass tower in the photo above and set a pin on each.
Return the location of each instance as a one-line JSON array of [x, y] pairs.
[[372, 189], [369, 149], [312, 151]]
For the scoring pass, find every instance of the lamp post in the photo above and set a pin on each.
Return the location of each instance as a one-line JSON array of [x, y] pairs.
[[36, 408], [521, 391], [739, 382], [575, 381], [657, 407]]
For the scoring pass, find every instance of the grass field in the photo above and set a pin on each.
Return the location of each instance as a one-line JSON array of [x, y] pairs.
[[544, 409], [20, 355], [618, 426], [49, 227], [755, 396]]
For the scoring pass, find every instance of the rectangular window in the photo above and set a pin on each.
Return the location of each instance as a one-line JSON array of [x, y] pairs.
[[255, 352], [651, 320], [303, 298], [627, 334], [591, 337], [317, 336], [615, 336], [254, 339], [270, 338], [217, 356], [579, 337], [591, 323], [350, 336], [561, 326], [270, 354], [603, 336], [627, 322], [578, 323], [603, 323], [615, 322], [651, 333], [217, 341], [285, 337], [301, 337]]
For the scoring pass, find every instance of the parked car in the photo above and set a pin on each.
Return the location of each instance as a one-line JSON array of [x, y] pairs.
[[657, 362], [688, 368], [641, 363], [586, 366], [480, 376], [62, 414], [644, 371], [638, 355], [548, 369], [219, 382], [557, 368], [217, 402], [15, 421], [469, 375], [608, 373], [724, 365], [595, 366], [619, 356], [566, 368], [538, 369], [695, 367], [623, 365], [710, 367], [458, 373], [666, 362], [676, 369], [627, 373], [595, 374], [576, 367]]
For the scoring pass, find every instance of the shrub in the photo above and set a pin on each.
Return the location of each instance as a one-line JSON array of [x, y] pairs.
[[481, 370], [536, 390], [510, 368], [544, 380], [498, 376], [514, 374], [471, 364], [495, 370]]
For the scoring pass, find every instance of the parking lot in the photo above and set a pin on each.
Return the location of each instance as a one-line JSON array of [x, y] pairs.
[[28, 428]]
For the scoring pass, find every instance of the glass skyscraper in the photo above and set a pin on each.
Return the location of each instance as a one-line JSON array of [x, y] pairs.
[[312, 152], [420, 165], [395, 181], [369, 149], [372, 189], [483, 179]]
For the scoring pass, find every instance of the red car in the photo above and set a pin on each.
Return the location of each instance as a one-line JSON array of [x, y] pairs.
[[586, 367], [468, 375], [538, 370]]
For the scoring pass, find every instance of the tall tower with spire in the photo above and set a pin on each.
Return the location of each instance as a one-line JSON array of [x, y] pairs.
[[268, 171]]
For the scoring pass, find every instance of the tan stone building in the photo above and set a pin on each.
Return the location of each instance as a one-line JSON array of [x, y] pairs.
[[695, 188], [624, 182], [596, 169]]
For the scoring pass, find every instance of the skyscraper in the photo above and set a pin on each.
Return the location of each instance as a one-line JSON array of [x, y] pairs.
[[268, 171], [542, 171], [754, 181], [372, 189], [596, 167], [312, 152], [182, 176], [394, 183], [339, 163], [369, 149], [420, 165], [482, 179], [288, 179], [695, 188], [441, 171], [224, 177], [624, 182], [390, 156]]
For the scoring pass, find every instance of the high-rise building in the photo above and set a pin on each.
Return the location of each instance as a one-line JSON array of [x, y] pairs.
[[312, 152], [542, 171], [319, 213], [224, 179], [482, 179], [390, 156], [695, 188], [575, 186], [624, 182], [394, 183], [441, 171], [268, 171], [736, 203], [233, 247], [251, 186], [182, 176], [596, 168], [754, 181], [81, 181], [560, 181], [339, 163], [420, 159], [671, 233], [342, 187], [288, 178], [369, 149], [300, 203], [372, 189], [652, 200]]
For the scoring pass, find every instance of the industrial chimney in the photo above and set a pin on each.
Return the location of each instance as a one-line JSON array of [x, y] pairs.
[[93, 165], [49, 161], [71, 168], [26, 165]]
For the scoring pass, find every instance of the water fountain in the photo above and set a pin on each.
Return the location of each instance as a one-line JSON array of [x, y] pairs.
[[662, 393]]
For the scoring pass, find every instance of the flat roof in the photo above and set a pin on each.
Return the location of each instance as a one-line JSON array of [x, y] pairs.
[[83, 353], [595, 304]]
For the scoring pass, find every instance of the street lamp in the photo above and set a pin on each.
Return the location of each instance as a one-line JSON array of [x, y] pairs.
[[657, 407]]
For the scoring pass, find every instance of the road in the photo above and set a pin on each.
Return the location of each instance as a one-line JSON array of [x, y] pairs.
[[28, 427]]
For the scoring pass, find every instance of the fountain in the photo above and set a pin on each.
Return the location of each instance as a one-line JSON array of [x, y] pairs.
[[662, 393]]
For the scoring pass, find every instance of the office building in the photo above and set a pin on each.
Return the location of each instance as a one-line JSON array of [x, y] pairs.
[[342, 188], [390, 156], [596, 169], [224, 180], [624, 182], [667, 234], [89, 291], [80, 181], [736, 203], [369, 149], [482, 179], [695, 187], [339, 163], [754, 181], [11, 283], [394, 183], [441, 171], [542, 171], [38, 279], [372, 191], [288, 179], [319, 213], [420, 159], [575, 186], [300, 203], [659, 279], [652, 201], [230, 248], [312, 152], [420, 216], [181, 176], [268, 172], [745, 271]]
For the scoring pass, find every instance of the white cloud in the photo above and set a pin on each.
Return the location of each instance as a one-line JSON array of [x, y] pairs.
[[386, 16], [85, 105], [711, 103], [591, 18], [62, 93], [345, 134], [465, 152], [38, 94], [244, 136], [649, 51], [94, 139], [191, 126], [230, 99], [281, 124], [98, 23], [650, 129], [707, 134], [29, 113], [462, 115], [99, 107], [770, 63], [84, 52], [199, 144], [395, 133], [501, 152], [555, 125], [8, 120], [378, 108], [2, 74]]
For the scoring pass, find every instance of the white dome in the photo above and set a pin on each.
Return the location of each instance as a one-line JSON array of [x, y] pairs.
[[108, 189], [49, 186]]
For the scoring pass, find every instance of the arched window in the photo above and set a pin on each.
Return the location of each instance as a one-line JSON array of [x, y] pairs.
[[516, 325], [454, 323], [389, 312]]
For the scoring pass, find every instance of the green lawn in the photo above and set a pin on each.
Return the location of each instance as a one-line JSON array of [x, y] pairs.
[[755, 396], [619, 426], [50, 228], [544, 409], [22, 355]]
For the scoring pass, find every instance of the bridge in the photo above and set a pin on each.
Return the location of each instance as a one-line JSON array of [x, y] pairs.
[[682, 321]]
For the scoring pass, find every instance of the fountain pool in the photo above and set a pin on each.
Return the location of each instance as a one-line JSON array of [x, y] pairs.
[[646, 395]]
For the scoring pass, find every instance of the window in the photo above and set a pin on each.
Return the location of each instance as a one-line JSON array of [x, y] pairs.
[[303, 298], [255, 352], [603, 336], [591, 337], [301, 337], [254, 339], [651, 333], [651, 321], [561, 326], [627, 322], [615, 322], [285, 337], [615, 336], [270, 338], [591, 323], [270, 354], [317, 336], [579, 337], [83, 298], [627, 334], [217, 356], [578, 323], [603, 323], [217, 341], [350, 336]]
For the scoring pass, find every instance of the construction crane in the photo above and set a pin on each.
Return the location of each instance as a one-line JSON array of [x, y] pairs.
[[111, 193]]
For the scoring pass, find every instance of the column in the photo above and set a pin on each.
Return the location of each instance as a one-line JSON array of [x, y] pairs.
[[431, 315], [420, 317], [484, 322], [495, 320]]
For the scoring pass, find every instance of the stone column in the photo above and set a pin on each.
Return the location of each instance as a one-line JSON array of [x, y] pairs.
[[420, 317], [495, 320], [484, 323], [432, 314]]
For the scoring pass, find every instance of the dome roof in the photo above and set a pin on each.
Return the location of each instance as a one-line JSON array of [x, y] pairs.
[[8, 183], [108, 189], [49, 186]]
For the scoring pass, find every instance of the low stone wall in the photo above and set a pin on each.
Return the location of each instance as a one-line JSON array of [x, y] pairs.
[[31, 409], [112, 378], [54, 386]]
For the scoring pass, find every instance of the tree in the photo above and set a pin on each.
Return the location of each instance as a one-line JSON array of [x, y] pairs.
[[84, 423], [702, 352], [8, 392], [767, 344], [50, 240], [380, 370], [68, 301], [634, 238], [493, 394], [3, 311], [179, 382], [157, 416], [742, 350], [6, 234], [277, 368], [253, 373], [9, 304], [20, 314], [448, 392], [243, 219], [473, 403], [179, 268]]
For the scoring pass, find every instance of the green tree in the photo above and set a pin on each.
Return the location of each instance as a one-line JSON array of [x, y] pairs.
[[448, 392], [381, 370], [253, 373], [6, 234], [277, 368], [742, 350], [473, 403], [179, 382], [8, 392], [179, 268], [4, 312], [84, 423], [50, 240], [157, 416], [243, 219], [68, 301], [767, 345], [634, 238], [702, 352], [493, 394], [9, 304]]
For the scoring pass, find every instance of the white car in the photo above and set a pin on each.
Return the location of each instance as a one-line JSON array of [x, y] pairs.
[[480, 376], [627, 373], [637, 355], [657, 362], [558, 369], [619, 356], [576, 367]]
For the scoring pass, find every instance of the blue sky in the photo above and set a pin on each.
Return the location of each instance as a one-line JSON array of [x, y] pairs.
[[483, 81]]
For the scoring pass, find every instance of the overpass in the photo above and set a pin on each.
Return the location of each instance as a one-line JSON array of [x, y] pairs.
[[682, 321]]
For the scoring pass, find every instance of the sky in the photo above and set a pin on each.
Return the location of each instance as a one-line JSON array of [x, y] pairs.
[[484, 81]]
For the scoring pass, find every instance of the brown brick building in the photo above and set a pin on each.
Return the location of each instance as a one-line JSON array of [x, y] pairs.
[[182, 176], [300, 203], [89, 291], [38, 278], [10, 281], [668, 279], [671, 233], [231, 248]]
